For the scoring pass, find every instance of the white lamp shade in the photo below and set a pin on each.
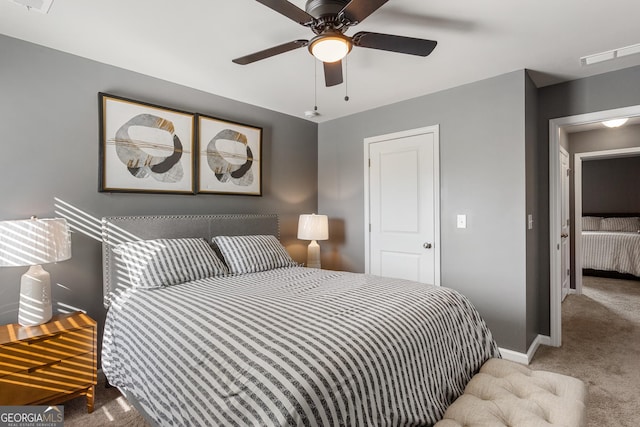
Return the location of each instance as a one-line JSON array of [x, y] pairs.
[[313, 227], [34, 242]]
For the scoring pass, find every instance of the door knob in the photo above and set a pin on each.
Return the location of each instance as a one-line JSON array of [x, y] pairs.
[[427, 245]]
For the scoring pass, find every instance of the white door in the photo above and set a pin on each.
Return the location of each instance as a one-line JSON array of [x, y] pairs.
[[565, 225], [403, 205]]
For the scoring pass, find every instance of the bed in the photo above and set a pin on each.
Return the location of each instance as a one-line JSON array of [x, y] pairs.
[[271, 343], [611, 245]]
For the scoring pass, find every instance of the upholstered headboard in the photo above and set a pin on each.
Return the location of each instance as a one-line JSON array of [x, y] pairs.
[[121, 229]]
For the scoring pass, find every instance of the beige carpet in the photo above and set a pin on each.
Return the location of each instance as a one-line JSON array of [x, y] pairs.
[[110, 409], [601, 346]]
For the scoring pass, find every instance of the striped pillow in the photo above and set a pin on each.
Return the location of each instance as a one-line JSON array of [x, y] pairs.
[[249, 254], [591, 223], [165, 262], [630, 224]]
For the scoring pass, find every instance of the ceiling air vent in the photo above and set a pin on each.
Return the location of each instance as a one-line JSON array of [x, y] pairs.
[[610, 54], [41, 6]]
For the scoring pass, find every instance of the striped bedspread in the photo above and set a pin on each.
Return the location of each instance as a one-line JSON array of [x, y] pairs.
[[294, 347], [611, 251]]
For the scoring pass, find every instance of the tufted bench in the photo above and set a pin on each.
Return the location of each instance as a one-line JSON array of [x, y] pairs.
[[505, 393]]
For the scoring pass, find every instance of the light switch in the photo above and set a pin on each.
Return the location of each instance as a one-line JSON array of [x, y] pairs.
[[462, 221], [530, 222]]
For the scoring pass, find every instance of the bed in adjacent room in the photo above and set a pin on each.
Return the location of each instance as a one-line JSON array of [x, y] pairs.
[[258, 340], [611, 244]]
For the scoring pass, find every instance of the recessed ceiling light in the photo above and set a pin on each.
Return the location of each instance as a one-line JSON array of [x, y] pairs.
[[610, 54], [41, 6], [615, 122]]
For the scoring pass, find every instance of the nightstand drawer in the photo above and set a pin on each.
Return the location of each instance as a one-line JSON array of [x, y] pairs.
[[48, 363], [44, 350], [43, 382]]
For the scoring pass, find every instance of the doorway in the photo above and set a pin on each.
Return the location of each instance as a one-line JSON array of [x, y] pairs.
[[579, 158], [556, 129], [402, 205]]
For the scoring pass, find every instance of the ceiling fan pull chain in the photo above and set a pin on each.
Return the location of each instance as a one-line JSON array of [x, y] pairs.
[[315, 85], [346, 79]]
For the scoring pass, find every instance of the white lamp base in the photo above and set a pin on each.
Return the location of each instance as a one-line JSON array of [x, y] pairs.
[[35, 297], [313, 255]]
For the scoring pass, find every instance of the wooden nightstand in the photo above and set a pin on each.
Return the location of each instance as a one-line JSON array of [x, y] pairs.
[[49, 363]]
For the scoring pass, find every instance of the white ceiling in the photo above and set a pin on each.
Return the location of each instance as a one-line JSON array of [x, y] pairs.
[[192, 42]]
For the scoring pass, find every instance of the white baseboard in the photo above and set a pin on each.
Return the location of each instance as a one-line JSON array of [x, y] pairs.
[[514, 356], [523, 358]]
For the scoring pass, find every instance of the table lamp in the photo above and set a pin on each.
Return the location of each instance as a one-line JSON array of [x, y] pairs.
[[32, 242], [313, 227]]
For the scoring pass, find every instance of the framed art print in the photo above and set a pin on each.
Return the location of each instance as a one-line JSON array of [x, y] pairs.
[[145, 148], [229, 156]]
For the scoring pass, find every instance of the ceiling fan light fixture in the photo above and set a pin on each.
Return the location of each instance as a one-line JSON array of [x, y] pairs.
[[615, 122], [330, 48]]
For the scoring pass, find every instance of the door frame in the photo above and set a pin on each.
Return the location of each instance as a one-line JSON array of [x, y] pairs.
[[555, 127], [561, 149], [435, 130], [577, 190]]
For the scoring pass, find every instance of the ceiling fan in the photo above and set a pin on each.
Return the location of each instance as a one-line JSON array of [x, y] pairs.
[[329, 19]]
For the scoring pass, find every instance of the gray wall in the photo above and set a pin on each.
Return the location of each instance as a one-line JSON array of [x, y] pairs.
[[49, 162], [622, 195], [608, 186], [627, 136], [611, 185], [533, 160], [482, 164], [597, 93]]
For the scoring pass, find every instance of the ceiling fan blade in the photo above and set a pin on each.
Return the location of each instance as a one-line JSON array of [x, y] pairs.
[[400, 44], [272, 51], [333, 73], [358, 10], [289, 10]]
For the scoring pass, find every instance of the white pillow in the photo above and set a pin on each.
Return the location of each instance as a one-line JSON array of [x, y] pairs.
[[165, 262], [629, 224], [249, 254], [591, 223]]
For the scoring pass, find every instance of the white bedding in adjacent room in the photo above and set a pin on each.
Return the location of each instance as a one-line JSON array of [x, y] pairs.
[[611, 251]]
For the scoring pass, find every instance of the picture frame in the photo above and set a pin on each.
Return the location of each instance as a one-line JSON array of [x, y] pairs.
[[145, 148], [229, 157]]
